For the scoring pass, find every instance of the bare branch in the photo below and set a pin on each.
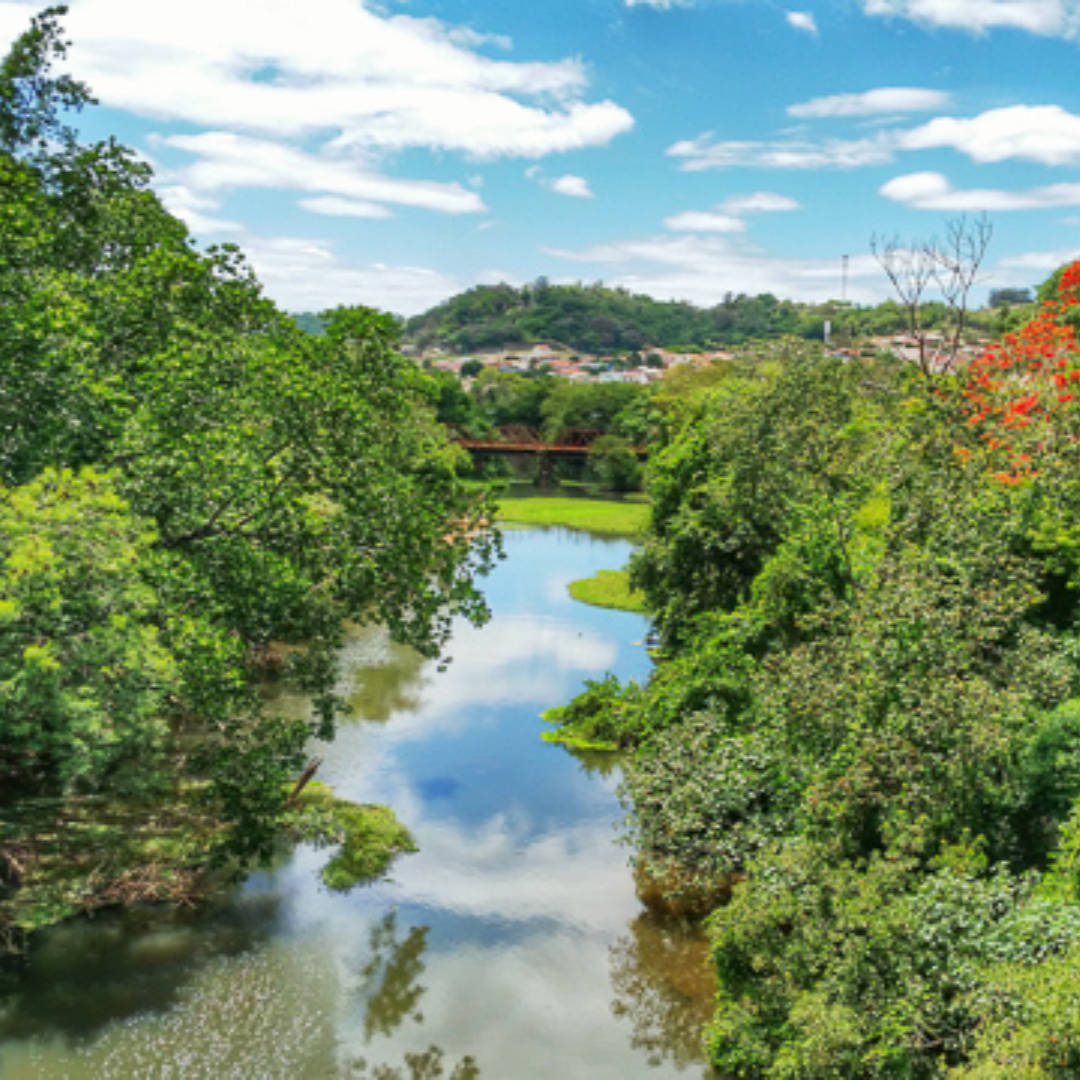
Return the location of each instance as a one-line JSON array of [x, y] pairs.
[[951, 266]]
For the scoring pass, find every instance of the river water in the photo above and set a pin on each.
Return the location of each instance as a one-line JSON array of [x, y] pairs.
[[511, 947]]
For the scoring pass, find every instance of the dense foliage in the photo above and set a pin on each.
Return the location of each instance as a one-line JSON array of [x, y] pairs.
[[865, 725], [605, 321], [191, 485]]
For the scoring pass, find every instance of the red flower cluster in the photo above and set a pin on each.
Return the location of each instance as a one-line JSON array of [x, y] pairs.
[[1024, 382]]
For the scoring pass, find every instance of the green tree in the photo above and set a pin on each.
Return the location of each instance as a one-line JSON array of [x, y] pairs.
[[615, 464], [85, 677], [268, 485]]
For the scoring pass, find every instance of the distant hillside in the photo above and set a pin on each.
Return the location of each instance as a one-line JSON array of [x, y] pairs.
[[595, 319]]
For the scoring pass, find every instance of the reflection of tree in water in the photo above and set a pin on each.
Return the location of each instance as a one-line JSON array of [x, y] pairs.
[[665, 986], [425, 1066], [601, 762], [137, 961], [393, 992], [384, 684], [390, 977]]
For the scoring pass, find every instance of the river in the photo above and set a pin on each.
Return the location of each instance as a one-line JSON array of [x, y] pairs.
[[511, 947]]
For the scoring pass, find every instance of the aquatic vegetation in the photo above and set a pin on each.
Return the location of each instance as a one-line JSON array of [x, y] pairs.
[[609, 589], [370, 837], [590, 515]]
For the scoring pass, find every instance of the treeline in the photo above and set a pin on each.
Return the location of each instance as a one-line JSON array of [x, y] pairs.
[[506, 398], [860, 749], [194, 492], [601, 321]]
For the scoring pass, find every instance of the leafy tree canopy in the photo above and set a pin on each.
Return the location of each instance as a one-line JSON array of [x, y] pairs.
[[238, 484]]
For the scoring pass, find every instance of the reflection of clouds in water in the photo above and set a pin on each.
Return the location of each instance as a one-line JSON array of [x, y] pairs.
[[556, 588], [501, 871], [517, 660], [547, 1003], [498, 870], [527, 661]]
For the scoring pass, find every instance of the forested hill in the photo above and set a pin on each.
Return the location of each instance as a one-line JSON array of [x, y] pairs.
[[596, 319]]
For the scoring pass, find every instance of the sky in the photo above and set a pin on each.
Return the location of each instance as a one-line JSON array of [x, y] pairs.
[[397, 153]]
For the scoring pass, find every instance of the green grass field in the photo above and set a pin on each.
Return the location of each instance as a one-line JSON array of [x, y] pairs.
[[590, 515], [610, 589]]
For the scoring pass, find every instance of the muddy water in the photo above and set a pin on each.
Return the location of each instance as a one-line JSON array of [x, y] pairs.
[[512, 946]]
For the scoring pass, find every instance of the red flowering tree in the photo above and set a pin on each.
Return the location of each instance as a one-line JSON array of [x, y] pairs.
[[1019, 398]]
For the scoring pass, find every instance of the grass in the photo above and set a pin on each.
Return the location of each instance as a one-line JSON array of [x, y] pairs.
[[608, 589], [589, 515], [370, 837]]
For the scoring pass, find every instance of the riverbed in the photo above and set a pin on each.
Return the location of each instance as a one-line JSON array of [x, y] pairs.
[[512, 946]]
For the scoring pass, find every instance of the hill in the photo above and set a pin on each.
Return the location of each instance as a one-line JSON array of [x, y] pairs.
[[594, 319]]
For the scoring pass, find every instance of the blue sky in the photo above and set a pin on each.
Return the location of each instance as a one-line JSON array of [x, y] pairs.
[[396, 153]]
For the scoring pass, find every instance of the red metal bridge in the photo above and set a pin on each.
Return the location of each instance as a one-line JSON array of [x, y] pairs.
[[530, 440]]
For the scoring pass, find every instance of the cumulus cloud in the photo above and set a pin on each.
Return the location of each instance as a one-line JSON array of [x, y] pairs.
[[308, 275], [380, 81], [1043, 133], [1049, 18], [932, 191], [226, 161], [802, 20], [704, 221], [1046, 134], [760, 202], [884, 100], [190, 206], [334, 206], [728, 216], [703, 269], [576, 187], [1044, 261], [704, 152]]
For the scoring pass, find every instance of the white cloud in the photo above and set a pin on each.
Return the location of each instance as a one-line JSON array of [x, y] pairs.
[[381, 82], [307, 275], [703, 221], [702, 269], [1049, 18], [1043, 133], [662, 5], [704, 153], [576, 187], [802, 20], [1043, 261], [189, 205], [334, 206], [728, 217], [884, 100], [932, 191], [227, 161], [1046, 134], [761, 202]]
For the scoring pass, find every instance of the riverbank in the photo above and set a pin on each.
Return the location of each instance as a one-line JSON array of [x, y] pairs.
[[609, 589], [606, 588], [601, 516]]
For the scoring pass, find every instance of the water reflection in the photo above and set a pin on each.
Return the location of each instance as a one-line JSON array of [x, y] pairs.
[[500, 944], [664, 986], [383, 679], [598, 763], [92, 972], [425, 1066], [390, 977]]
